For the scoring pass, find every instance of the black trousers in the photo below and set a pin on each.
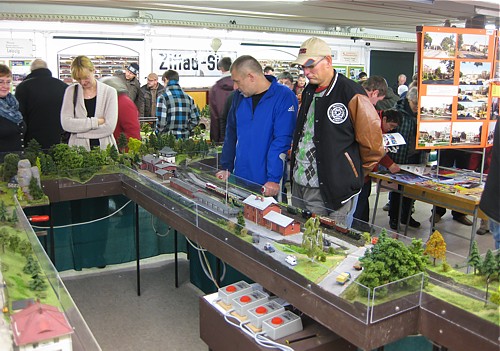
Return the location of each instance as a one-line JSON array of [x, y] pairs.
[[394, 207]]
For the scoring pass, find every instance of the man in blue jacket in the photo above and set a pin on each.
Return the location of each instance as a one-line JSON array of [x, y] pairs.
[[259, 128]]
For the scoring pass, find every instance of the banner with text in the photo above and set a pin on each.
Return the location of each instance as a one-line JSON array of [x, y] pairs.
[[190, 63]]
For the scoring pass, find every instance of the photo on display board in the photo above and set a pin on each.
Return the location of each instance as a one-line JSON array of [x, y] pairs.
[[436, 108], [434, 134], [491, 132], [473, 46], [457, 96], [439, 45], [438, 72], [466, 133]]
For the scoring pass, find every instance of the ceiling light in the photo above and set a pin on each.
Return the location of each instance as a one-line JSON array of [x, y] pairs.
[[486, 12], [424, 1]]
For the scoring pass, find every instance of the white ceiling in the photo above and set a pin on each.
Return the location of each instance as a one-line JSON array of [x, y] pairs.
[[341, 15]]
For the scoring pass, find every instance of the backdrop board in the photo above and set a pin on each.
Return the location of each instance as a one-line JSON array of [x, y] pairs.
[[458, 87]]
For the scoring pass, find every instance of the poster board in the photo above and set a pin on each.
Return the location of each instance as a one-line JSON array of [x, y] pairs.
[[458, 91]]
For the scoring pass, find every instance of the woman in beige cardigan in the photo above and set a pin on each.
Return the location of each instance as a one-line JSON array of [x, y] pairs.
[[90, 108]]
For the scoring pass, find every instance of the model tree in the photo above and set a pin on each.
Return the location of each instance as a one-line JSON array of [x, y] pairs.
[[436, 247], [37, 283], [35, 190], [4, 238], [10, 162], [390, 260], [3, 211], [490, 270], [312, 239], [474, 257], [31, 267], [122, 142], [241, 223]]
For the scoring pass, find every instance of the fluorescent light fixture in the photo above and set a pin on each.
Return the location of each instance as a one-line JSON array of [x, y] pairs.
[[486, 12], [423, 1]]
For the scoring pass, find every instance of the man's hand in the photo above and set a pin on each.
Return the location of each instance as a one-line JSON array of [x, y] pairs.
[[100, 121], [394, 168], [223, 175], [270, 189]]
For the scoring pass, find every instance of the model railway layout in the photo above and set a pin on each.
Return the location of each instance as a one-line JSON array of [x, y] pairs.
[[229, 201]]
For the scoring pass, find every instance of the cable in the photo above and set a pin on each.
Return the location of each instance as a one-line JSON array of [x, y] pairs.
[[156, 232], [88, 222]]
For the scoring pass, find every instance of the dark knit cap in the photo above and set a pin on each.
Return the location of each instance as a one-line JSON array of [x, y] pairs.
[[134, 68]]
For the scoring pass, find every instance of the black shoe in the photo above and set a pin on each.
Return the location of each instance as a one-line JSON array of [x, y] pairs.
[[413, 223], [393, 224], [464, 220]]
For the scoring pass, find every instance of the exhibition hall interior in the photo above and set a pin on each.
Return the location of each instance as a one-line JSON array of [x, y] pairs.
[[299, 175]]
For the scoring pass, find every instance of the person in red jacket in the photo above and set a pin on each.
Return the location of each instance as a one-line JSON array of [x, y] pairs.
[[128, 114]]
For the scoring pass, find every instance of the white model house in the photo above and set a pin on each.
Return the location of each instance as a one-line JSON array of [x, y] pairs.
[[42, 328]]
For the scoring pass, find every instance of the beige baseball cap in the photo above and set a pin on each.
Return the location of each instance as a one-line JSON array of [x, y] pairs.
[[312, 50]]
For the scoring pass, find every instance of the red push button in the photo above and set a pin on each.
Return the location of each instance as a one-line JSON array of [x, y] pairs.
[[231, 288], [261, 310], [277, 320], [245, 299]]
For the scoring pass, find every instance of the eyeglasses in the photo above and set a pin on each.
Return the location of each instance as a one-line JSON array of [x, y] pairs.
[[5, 82], [312, 66]]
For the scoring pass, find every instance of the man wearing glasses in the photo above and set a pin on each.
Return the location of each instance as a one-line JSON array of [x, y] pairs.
[[337, 139]]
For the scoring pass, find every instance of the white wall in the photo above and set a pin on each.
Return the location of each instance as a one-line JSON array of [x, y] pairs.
[[271, 46]]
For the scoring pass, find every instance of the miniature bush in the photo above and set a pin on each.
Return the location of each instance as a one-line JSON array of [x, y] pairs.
[[445, 267], [495, 298], [244, 232], [366, 237]]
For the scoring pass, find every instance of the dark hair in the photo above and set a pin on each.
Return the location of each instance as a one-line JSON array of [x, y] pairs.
[[362, 75], [268, 68], [5, 71], [375, 83], [224, 63], [286, 75], [392, 116], [170, 75], [246, 63]]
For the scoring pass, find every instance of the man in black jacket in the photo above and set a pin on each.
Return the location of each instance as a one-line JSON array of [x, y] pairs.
[[40, 99], [337, 140], [490, 203]]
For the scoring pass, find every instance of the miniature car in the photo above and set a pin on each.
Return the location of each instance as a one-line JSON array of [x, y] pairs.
[[343, 278], [269, 247], [357, 266], [291, 260]]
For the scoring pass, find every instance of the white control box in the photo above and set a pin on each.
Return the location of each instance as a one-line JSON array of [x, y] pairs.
[[228, 293], [262, 312], [284, 324], [243, 303]]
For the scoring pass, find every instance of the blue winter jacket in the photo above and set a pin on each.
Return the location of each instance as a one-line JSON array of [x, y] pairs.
[[255, 139]]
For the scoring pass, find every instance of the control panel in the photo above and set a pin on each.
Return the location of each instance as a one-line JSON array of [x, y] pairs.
[[228, 293], [262, 312], [243, 303], [281, 325]]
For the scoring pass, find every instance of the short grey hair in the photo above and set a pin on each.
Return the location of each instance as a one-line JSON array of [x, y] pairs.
[[38, 63], [412, 95], [115, 82]]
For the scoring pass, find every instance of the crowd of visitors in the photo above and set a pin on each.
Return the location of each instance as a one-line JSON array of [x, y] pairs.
[[319, 130]]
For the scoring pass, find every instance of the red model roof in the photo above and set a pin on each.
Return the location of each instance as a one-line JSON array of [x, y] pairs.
[[39, 322]]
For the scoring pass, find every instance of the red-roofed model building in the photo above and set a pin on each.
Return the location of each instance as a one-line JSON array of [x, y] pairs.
[[41, 327]]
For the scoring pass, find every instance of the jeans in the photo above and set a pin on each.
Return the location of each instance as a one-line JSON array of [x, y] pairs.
[[495, 230]]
